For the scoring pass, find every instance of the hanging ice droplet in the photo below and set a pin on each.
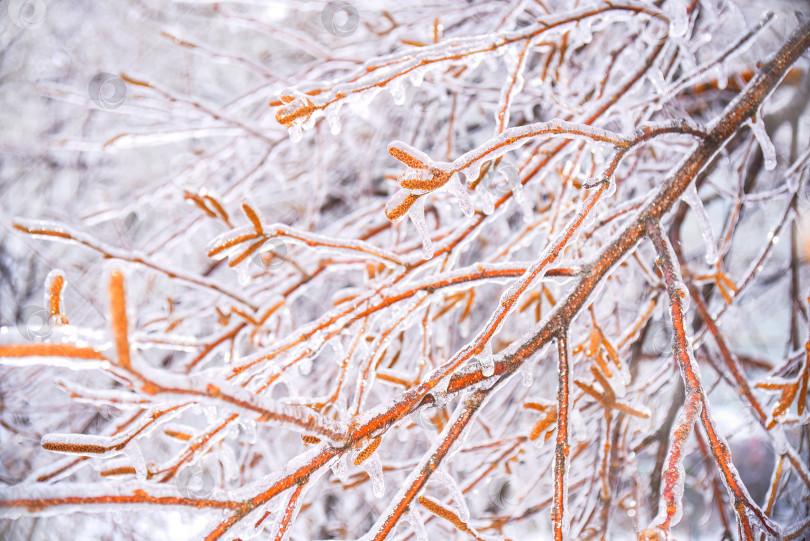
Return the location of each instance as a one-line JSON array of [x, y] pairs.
[[333, 119], [656, 77], [525, 207], [455, 187], [487, 361], [487, 366], [249, 428], [582, 32], [678, 18], [373, 468], [691, 197], [417, 77], [295, 132], [133, 452], [768, 151], [397, 91], [305, 366], [527, 374], [243, 275], [339, 469], [472, 61], [721, 74], [487, 203], [416, 523], [417, 215]]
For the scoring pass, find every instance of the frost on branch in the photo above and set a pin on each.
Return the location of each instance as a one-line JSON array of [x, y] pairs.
[[593, 325]]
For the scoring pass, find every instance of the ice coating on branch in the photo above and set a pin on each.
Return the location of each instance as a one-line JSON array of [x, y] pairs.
[[247, 529], [682, 292], [79, 444], [109, 446], [296, 113], [425, 175], [757, 126], [439, 391], [691, 197], [512, 139]]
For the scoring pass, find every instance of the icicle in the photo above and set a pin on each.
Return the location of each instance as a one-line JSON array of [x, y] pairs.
[[249, 428], [333, 118], [339, 469], [578, 429], [523, 203], [691, 197], [656, 77], [133, 452], [472, 61], [527, 374], [243, 275], [295, 132], [678, 18], [455, 187], [768, 150], [582, 33], [305, 366], [373, 468], [417, 77], [210, 413], [230, 467], [455, 492], [416, 523], [439, 392], [721, 74], [487, 361], [487, 202], [417, 215], [397, 90]]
